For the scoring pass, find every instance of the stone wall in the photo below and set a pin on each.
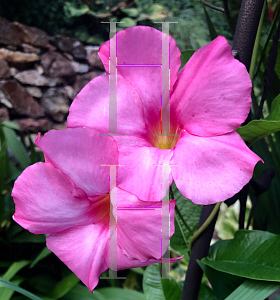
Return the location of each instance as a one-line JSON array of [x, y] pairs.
[[40, 75]]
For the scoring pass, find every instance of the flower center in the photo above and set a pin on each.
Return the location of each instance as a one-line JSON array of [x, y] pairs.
[[101, 207], [165, 141]]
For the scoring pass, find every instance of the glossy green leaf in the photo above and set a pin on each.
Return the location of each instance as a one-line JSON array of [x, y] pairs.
[[254, 289], [187, 218], [156, 287], [251, 254], [44, 253], [7, 293], [258, 129], [205, 293], [64, 286], [11, 125], [223, 284], [7, 284], [16, 147]]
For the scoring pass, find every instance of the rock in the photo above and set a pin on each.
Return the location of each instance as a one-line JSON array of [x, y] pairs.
[[34, 91], [9, 34], [55, 65], [82, 80], [32, 35], [18, 57], [30, 49], [4, 100], [56, 104], [4, 70], [22, 103], [94, 60], [70, 92], [35, 125], [31, 77], [4, 114], [70, 45], [79, 68], [13, 71]]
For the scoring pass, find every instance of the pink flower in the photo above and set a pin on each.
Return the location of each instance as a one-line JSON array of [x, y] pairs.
[[68, 198], [209, 99]]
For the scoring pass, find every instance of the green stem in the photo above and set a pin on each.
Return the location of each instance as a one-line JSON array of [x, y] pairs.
[[256, 45], [267, 41], [205, 224]]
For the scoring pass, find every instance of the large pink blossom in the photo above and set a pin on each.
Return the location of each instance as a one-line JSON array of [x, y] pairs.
[[209, 99], [68, 198]]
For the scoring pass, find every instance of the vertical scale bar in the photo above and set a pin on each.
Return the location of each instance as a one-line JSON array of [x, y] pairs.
[[113, 225], [165, 213], [113, 81], [113, 249], [165, 80]]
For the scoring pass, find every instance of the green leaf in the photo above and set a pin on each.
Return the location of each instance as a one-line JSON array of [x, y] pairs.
[[127, 22], [258, 129], [251, 254], [14, 268], [44, 253], [11, 125], [16, 147], [222, 283], [185, 56], [211, 28], [155, 287], [64, 286], [254, 289], [28, 237], [131, 12], [120, 294], [275, 109], [205, 293], [6, 293], [81, 292], [190, 213], [71, 10], [7, 284]]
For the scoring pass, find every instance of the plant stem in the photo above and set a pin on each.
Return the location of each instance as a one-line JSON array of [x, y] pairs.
[[212, 6], [205, 224]]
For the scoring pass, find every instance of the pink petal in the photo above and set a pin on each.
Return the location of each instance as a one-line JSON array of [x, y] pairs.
[[123, 262], [141, 171], [137, 46], [47, 202], [81, 153], [82, 249], [140, 232], [212, 169], [213, 92], [91, 108]]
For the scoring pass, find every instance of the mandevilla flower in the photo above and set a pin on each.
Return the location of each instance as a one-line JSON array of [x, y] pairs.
[[209, 99], [68, 198]]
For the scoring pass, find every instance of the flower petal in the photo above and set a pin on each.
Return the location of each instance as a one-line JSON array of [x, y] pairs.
[[47, 202], [81, 153], [213, 92], [91, 108], [82, 249], [142, 45], [141, 233], [123, 262], [212, 169], [143, 170]]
